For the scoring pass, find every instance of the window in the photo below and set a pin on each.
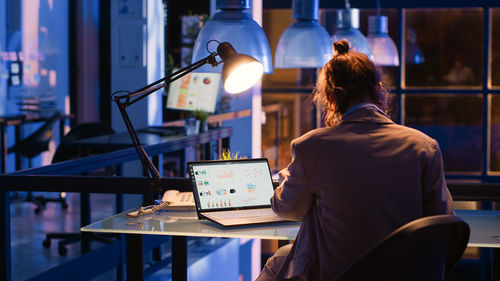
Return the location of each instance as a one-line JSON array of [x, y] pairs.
[[455, 121], [495, 48], [36, 56], [288, 110], [440, 86], [495, 134], [443, 48], [287, 116]]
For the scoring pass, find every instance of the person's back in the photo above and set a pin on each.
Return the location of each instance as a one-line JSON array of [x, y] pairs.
[[366, 179], [355, 182]]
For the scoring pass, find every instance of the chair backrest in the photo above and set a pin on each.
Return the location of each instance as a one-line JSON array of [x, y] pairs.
[[424, 249], [38, 141], [80, 131]]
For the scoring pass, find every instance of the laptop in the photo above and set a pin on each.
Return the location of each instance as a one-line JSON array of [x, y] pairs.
[[233, 192]]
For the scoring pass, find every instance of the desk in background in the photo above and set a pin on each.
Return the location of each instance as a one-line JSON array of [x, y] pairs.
[[59, 177], [485, 232], [17, 120], [155, 143]]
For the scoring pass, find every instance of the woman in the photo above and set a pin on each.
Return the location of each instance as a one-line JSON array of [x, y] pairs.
[[355, 181]]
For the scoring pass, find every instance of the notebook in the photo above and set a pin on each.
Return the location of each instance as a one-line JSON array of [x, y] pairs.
[[233, 192]]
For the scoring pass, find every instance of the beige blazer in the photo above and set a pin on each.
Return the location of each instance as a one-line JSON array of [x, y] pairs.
[[352, 185]]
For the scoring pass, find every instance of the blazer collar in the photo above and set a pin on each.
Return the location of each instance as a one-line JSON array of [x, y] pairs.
[[367, 114]]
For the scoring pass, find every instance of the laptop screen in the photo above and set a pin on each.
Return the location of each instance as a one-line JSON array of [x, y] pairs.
[[231, 184]]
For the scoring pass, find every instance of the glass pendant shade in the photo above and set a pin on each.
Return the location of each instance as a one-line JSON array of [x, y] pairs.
[[233, 25], [305, 43], [383, 48], [348, 28]]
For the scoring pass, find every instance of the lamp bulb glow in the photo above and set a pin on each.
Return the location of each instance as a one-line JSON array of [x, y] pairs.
[[243, 77]]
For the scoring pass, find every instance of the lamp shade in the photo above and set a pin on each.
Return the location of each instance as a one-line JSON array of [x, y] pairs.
[[384, 50], [239, 71], [305, 43], [234, 25], [348, 28]]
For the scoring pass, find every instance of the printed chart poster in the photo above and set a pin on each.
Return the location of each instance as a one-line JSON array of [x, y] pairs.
[[194, 91]]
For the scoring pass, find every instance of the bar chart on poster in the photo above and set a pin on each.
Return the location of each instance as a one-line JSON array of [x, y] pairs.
[[194, 91]]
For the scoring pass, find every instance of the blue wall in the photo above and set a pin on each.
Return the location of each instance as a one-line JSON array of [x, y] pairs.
[[3, 45]]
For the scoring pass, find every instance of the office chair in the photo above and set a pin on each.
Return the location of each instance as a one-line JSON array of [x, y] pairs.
[[63, 153], [32, 146], [424, 249], [78, 132]]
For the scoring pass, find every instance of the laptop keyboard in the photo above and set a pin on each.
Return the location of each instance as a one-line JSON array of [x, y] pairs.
[[238, 214]]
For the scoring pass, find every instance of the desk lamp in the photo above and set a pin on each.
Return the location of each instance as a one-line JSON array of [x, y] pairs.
[[239, 73]]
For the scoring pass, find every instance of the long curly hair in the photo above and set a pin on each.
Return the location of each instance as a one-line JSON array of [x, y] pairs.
[[348, 77]]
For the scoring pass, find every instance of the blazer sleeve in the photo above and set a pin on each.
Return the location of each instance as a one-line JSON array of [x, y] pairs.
[[437, 199], [293, 199]]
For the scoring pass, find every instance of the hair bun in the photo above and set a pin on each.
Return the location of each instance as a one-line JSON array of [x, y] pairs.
[[341, 47]]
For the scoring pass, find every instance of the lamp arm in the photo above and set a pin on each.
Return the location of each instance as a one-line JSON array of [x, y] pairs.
[[149, 89], [148, 166]]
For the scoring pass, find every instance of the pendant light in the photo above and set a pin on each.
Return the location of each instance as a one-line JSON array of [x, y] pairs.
[[305, 43], [348, 28], [233, 24], [383, 48]]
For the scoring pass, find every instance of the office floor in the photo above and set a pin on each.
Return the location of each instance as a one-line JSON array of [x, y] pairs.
[[29, 257]]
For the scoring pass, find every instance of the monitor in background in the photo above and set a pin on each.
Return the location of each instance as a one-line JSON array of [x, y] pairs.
[[194, 91]]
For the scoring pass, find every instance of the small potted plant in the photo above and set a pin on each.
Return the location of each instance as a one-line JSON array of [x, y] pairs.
[[226, 154]]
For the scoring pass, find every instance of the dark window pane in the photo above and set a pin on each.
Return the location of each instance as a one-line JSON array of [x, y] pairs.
[[443, 47], [495, 134], [495, 48], [393, 107], [455, 121], [288, 116], [388, 75]]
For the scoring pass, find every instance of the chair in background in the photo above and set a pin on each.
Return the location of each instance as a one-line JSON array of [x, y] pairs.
[[425, 249], [32, 146], [78, 132], [63, 153]]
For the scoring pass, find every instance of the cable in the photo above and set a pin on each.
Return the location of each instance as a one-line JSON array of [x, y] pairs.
[[147, 210]]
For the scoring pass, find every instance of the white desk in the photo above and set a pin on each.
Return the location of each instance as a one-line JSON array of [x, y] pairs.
[[179, 223], [485, 232], [484, 227]]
